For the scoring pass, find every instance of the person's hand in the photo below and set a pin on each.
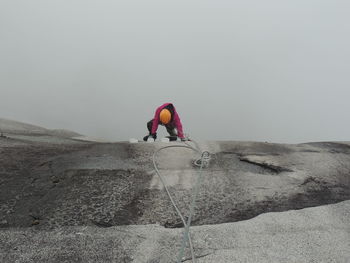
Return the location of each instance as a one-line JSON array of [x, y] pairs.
[[154, 136]]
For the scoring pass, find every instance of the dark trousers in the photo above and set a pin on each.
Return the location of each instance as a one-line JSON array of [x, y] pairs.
[[169, 128]]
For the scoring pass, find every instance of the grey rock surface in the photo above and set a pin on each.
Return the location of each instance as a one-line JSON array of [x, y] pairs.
[[115, 184], [319, 234], [64, 200]]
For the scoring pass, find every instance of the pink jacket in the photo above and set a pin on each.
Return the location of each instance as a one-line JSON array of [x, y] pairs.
[[176, 121]]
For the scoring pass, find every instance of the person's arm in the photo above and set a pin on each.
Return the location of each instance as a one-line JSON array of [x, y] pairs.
[[178, 126], [155, 123]]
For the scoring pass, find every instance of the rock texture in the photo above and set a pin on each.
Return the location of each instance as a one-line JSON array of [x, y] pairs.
[[63, 200], [319, 234]]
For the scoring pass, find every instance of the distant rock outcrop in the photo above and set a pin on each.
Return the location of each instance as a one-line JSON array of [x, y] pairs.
[[15, 127], [63, 133]]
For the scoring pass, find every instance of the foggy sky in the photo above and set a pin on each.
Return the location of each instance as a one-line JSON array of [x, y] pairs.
[[267, 70]]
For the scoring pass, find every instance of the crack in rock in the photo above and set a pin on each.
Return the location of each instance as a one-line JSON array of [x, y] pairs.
[[200, 256], [265, 164]]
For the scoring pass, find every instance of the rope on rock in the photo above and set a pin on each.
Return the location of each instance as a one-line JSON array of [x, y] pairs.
[[203, 161]]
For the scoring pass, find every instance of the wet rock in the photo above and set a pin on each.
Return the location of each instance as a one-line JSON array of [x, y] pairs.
[[3, 223], [318, 234], [242, 181], [101, 201], [55, 180], [35, 222]]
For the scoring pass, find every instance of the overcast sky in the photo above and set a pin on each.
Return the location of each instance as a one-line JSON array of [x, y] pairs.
[[276, 71]]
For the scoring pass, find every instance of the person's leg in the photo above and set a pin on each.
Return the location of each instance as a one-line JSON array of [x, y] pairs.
[[172, 132]]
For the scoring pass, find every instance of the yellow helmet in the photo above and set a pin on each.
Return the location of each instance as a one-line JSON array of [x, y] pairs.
[[165, 116]]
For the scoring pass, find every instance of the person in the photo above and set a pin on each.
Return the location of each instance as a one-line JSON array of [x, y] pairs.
[[167, 116]]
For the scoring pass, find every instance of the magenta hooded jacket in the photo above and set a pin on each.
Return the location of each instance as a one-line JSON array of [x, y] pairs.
[[175, 122]]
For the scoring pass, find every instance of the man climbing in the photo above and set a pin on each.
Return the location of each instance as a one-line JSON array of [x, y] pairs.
[[167, 116]]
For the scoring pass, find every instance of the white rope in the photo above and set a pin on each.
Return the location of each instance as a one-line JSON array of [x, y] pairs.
[[204, 161]]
